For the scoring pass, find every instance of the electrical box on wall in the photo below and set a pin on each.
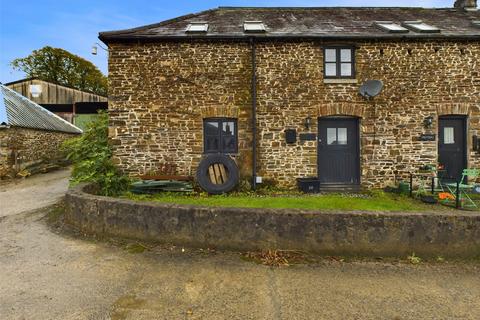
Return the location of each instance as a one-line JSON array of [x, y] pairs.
[[290, 136]]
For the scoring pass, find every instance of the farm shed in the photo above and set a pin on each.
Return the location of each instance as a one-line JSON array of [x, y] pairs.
[[29, 134], [75, 106]]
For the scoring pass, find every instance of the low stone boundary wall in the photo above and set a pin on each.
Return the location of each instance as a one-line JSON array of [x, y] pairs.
[[445, 234]]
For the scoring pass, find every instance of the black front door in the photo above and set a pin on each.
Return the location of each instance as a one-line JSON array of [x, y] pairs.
[[338, 150], [452, 151]]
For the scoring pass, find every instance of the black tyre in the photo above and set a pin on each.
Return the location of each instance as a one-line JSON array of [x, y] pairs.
[[213, 187]]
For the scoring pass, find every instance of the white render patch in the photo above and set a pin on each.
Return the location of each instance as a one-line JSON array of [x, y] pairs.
[[391, 27], [420, 26], [197, 27], [253, 26], [35, 90]]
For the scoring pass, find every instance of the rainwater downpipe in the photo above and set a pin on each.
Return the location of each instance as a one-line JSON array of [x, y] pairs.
[[254, 115]]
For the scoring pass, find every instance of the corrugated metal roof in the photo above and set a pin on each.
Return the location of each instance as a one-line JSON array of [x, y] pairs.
[[16, 110], [327, 22]]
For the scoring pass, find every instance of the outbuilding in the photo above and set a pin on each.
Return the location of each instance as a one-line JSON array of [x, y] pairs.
[[29, 134], [76, 106]]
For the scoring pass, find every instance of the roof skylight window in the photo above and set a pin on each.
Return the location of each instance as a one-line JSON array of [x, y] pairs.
[[419, 26], [253, 26], [476, 23], [391, 27], [197, 27]]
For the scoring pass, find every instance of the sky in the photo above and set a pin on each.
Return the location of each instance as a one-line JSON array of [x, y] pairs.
[[74, 24]]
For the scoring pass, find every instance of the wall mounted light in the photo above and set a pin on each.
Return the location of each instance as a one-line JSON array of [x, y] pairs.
[[475, 143], [427, 122], [95, 47], [308, 122]]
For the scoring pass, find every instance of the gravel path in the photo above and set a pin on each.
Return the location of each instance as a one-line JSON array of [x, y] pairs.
[[32, 193], [47, 274]]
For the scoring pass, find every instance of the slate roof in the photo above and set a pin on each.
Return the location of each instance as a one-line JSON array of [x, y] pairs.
[[18, 111], [307, 22]]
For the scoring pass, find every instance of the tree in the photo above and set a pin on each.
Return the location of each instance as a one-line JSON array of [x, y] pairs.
[[64, 68]]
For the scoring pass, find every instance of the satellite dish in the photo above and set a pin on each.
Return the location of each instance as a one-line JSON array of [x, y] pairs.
[[371, 88]]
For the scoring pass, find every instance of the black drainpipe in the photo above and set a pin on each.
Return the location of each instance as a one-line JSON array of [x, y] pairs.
[[254, 115]]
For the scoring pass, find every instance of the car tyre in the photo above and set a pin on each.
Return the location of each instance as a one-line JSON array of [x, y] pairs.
[[203, 177]]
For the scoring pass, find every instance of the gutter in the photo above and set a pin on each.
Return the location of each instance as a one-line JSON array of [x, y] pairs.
[[254, 114], [108, 38]]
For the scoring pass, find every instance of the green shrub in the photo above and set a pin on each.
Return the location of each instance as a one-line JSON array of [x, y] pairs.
[[91, 158]]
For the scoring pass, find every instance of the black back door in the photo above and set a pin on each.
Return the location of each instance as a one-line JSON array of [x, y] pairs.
[[452, 151], [338, 150]]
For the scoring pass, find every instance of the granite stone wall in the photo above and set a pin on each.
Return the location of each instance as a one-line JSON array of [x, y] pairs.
[[29, 146], [161, 92]]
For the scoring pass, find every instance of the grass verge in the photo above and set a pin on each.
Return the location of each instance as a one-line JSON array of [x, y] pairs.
[[373, 201]]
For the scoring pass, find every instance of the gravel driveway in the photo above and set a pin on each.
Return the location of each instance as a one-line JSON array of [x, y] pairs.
[[32, 193], [47, 274]]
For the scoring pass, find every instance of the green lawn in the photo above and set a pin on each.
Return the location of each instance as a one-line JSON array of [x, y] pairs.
[[370, 202]]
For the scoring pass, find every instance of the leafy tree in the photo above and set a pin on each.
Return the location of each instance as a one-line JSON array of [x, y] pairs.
[[62, 67], [91, 157]]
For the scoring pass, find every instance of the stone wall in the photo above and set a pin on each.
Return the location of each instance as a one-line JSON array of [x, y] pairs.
[[428, 234], [29, 146], [160, 92]]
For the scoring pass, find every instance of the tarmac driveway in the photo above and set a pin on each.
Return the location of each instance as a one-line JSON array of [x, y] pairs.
[[48, 274]]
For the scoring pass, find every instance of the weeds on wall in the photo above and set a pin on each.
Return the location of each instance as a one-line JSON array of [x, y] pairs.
[[91, 158]]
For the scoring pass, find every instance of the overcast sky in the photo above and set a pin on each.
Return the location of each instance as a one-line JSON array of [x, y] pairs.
[[74, 24]]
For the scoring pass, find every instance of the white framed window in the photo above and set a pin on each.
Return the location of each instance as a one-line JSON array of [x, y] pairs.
[[391, 27], [254, 26], [195, 27], [419, 26]]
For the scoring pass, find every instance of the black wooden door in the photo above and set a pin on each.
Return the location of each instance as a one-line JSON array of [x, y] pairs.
[[338, 151], [452, 151]]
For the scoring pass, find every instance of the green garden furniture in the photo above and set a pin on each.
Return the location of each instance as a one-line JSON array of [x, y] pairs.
[[466, 185], [429, 182]]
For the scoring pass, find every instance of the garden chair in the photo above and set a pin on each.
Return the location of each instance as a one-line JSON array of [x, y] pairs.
[[429, 182], [467, 183]]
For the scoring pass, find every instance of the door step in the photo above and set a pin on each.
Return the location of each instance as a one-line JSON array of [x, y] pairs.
[[339, 187]]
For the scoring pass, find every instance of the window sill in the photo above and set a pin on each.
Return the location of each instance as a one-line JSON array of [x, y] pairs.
[[340, 81]]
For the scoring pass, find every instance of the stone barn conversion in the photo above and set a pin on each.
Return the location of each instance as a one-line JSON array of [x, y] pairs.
[[278, 90], [29, 134]]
